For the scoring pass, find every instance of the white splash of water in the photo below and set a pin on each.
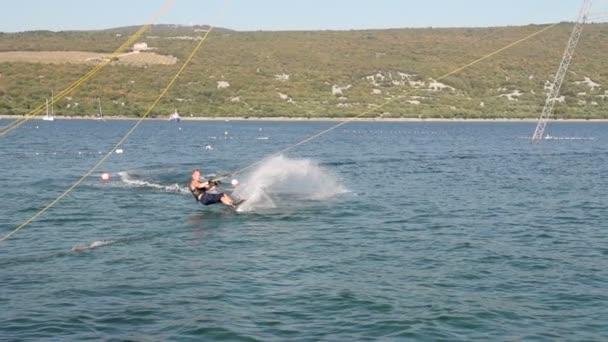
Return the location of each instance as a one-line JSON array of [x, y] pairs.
[[280, 179], [94, 244], [138, 183]]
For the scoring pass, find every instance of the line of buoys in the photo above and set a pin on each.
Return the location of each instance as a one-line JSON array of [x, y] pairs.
[[55, 153], [560, 138], [371, 132], [237, 138]]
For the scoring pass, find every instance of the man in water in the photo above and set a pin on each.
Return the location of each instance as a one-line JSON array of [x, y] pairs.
[[200, 191]]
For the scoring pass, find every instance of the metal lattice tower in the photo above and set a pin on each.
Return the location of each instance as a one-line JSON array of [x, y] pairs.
[[561, 72]]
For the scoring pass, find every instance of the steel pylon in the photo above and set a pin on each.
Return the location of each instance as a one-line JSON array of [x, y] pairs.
[[552, 97]]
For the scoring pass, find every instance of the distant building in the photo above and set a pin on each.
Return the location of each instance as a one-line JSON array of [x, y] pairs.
[[140, 46], [222, 85]]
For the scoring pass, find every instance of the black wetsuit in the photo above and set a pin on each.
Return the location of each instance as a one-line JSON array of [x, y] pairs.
[[204, 197], [197, 193]]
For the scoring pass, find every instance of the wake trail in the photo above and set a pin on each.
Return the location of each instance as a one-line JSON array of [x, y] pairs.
[[128, 180]]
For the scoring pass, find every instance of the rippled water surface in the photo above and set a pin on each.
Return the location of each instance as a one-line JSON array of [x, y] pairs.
[[440, 231]]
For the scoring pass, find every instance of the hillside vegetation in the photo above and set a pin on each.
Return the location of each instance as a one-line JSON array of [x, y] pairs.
[[316, 74]]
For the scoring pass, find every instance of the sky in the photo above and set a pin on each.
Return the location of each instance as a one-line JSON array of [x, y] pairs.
[[253, 15]]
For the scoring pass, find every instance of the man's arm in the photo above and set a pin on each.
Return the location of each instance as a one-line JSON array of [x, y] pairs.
[[202, 185]]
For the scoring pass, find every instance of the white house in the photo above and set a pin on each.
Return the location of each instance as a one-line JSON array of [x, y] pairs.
[[140, 46]]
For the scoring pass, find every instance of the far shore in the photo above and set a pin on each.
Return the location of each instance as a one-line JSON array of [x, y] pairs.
[[306, 119]]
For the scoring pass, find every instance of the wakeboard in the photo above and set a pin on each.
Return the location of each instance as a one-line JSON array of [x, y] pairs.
[[236, 204]]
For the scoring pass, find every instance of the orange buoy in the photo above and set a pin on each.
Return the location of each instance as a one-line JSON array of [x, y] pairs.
[[105, 176]]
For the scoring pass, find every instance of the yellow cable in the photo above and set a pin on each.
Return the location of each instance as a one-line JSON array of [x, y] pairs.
[[7, 129], [77, 83], [102, 160], [98, 68], [93, 71], [497, 51], [88, 173], [392, 99], [90, 74]]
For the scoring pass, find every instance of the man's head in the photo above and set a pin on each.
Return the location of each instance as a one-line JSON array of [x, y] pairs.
[[196, 174]]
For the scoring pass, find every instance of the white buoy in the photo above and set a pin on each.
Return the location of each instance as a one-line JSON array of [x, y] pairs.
[[119, 151], [234, 182], [208, 148], [105, 176]]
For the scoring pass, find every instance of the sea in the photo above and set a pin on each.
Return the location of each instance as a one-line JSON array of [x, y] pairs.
[[373, 231]]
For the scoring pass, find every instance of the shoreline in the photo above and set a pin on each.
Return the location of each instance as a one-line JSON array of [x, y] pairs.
[[306, 119]]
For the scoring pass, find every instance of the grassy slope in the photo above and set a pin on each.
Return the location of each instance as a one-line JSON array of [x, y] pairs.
[[315, 62]]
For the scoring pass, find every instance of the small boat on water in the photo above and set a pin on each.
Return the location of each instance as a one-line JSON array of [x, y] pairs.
[[51, 116], [175, 117], [99, 115]]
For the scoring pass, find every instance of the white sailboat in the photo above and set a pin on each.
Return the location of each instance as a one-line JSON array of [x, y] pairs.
[[175, 117], [49, 117], [99, 113]]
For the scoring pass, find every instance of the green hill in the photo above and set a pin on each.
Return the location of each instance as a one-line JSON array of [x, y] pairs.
[[317, 74]]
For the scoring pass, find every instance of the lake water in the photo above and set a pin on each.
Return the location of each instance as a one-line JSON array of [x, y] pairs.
[[375, 231]]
